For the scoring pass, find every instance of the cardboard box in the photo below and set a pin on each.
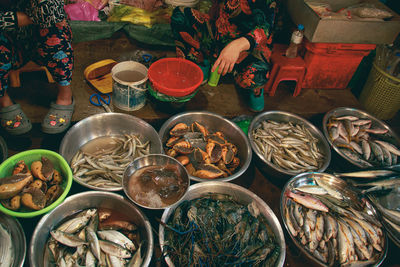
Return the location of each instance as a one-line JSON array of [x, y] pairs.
[[337, 30]]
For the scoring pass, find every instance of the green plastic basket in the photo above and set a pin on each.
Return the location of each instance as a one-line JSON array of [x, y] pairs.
[[166, 98], [381, 94], [60, 164]]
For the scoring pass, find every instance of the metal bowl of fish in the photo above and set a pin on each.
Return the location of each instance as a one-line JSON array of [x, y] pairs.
[[287, 144], [93, 228], [361, 139], [330, 223], [219, 223], [207, 144], [13, 242], [155, 181], [100, 147]]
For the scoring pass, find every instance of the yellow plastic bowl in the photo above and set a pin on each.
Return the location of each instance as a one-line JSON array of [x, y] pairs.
[[29, 156]]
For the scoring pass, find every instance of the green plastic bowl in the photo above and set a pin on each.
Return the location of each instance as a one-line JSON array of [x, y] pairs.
[[60, 164]]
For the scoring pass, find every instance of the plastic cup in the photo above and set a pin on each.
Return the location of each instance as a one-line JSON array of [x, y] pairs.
[[214, 78]]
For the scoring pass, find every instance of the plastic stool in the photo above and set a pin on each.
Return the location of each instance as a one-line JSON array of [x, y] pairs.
[[285, 69], [31, 66]]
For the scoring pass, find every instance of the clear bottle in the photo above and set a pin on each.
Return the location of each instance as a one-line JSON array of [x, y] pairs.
[[295, 41]]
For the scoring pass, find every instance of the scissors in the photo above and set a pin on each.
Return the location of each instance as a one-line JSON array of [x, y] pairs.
[[101, 100]]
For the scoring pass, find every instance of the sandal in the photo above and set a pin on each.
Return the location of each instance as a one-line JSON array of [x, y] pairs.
[[58, 119], [14, 120]]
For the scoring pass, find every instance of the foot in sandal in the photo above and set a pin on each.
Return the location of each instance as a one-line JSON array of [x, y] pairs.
[[14, 121], [58, 119]]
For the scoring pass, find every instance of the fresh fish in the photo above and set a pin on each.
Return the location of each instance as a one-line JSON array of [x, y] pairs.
[[90, 260], [347, 117], [307, 201], [343, 245], [366, 149], [114, 261], [67, 239], [361, 122], [118, 238], [385, 182], [331, 191], [311, 218], [312, 189], [298, 213], [289, 223], [372, 235], [137, 259], [355, 157], [319, 227], [376, 131], [390, 147], [370, 174], [359, 244], [77, 223], [6, 248], [331, 227], [93, 242], [392, 215], [358, 229], [333, 133], [356, 147], [114, 249]]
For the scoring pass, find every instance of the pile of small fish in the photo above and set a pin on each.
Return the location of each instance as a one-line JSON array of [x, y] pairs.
[[32, 188], [6, 247], [90, 238], [215, 230], [105, 168], [288, 145], [334, 227], [364, 144]]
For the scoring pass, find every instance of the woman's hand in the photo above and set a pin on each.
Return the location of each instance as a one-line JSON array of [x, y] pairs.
[[23, 19], [229, 55]]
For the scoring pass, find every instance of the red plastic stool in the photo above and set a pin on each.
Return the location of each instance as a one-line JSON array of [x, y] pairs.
[[285, 69]]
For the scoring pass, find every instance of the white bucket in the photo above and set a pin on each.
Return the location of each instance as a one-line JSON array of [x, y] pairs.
[[129, 85]]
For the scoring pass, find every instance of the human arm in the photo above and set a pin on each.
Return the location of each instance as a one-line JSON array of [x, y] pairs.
[[230, 54], [250, 25]]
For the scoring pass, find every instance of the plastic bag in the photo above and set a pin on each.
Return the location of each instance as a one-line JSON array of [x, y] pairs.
[[139, 16], [368, 10], [83, 11]]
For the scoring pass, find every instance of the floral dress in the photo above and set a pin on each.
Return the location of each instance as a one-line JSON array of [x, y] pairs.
[[200, 37], [47, 41]]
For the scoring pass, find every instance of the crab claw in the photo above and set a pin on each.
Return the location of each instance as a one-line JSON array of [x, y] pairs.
[[199, 157], [33, 198], [208, 171], [214, 151], [172, 141], [183, 147], [227, 154], [179, 129], [11, 186], [197, 127]]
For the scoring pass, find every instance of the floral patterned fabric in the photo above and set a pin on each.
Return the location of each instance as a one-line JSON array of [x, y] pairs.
[[200, 36], [47, 41]]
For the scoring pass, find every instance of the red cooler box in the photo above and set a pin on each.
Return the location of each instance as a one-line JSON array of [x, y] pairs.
[[331, 65]]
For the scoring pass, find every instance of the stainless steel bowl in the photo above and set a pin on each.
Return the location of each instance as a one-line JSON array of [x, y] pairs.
[[153, 160], [79, 202], [14, 228], [343, 111], [306, 178], [239, 194], [107, 124], [272, 170], [214, 122]]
